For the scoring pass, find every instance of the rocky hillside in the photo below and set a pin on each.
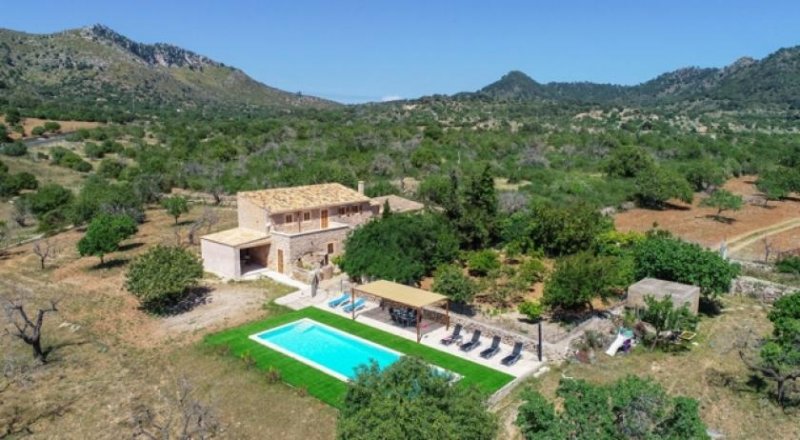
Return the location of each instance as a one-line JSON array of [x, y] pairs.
[[772, 81], [97, 71]]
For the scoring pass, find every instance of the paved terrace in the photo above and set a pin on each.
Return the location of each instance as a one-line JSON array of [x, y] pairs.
[[433, 332]]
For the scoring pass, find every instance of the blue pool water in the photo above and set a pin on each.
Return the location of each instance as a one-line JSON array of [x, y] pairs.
[[333, 351]]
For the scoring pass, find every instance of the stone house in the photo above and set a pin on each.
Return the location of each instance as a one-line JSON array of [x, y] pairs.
[[284, 228]]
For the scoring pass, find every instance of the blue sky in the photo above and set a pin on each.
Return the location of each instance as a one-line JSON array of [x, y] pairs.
[[354, 51]]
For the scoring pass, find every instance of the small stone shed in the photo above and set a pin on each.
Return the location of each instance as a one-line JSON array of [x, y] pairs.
[[680, 293]]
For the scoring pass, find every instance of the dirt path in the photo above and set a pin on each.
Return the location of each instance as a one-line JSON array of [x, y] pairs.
[[742, 241]]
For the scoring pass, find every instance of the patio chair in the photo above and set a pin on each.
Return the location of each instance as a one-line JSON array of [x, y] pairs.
[[339, 301], [473, 343], [356, 306], [454, 337], [493, 350], [515, 355]]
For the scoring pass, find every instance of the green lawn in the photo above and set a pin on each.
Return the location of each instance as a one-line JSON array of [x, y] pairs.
[[327, 388]]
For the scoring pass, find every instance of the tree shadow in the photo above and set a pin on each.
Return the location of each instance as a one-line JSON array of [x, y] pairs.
[[56, 347], [194, 297], [675, 207], [462, 309], [709, 307], [110, 264], [129, 246], [721, 219], [184, 222]]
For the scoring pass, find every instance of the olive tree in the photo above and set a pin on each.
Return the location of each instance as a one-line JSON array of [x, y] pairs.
[[162, 276]]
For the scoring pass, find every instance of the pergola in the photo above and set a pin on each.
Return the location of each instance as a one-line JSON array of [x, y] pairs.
[[404, 295]]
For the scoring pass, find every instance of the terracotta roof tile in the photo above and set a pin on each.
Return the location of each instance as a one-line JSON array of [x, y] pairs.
[[298, 198]]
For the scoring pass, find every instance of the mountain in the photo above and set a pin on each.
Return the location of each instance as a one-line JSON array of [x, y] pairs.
[[771, 81], [97, 70]]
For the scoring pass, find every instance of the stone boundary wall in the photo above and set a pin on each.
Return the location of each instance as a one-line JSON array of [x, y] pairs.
[[765, 291]]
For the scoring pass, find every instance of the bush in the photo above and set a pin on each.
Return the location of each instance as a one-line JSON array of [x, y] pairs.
[[160, 277], [531, 309], [449, 280], [655, 187], [175, 206], [110, 168], [532, 271], [629, 161], [49, 198], [95, 151], [789, 264], [38, 130], [15, 149], [62, 157], [667, 258], [481, 263]]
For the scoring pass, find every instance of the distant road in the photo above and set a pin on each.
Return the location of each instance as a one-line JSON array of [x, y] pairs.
[[45, 142]]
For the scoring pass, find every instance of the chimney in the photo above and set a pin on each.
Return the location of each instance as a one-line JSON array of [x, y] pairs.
[[361, 187]]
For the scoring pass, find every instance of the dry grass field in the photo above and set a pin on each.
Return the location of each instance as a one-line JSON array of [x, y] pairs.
[[66, 126], [109, 357], [694, 223]]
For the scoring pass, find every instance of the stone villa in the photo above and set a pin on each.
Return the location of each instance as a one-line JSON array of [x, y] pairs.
[[282, 229]]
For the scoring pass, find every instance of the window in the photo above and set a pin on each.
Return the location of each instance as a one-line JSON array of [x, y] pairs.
[[288, 218], [360, 209], [306, 216], [342, 210], [330, 248]]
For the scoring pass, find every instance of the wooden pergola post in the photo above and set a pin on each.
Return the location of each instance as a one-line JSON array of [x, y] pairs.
[[447, 314], [419, 319]]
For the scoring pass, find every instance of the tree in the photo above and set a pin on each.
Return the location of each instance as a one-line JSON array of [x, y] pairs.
[[658, 185], [629, 161], [52, 126], [704, 175], [580, 278], [38, 130], [472, 209], [630, 408], [13, 116], [175, 206], [4, 236], [104, 234], [664, 316], [186, 419], [28, 328], [411, 400], [555, 229], [531, 309], [49, 198], [45, 249], [779, 355], [449, 280], [101, 196], [400, 247], [776, 183], [723, 200], [162, 276], [667, 258]]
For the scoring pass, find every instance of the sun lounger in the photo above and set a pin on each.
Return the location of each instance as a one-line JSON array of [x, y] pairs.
[[473, 343], [339, 301], [453, 338], [356, 306], [493, 350], [515, 355]]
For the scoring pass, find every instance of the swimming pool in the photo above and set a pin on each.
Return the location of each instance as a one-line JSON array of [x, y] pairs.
[[323, 347]]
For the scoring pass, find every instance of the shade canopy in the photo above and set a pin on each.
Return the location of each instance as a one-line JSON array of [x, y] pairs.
[[402, 294]]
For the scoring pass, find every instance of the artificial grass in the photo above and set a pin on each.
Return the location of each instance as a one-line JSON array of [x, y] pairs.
[[328, 388]]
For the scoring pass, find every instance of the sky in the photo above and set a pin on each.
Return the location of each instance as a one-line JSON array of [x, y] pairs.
[[373, 50]]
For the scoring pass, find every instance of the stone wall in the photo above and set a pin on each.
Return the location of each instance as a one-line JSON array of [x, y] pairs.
[[763, 290], [296, 245], [251, 216]]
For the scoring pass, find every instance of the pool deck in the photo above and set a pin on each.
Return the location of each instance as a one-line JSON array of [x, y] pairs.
[[526, 366]]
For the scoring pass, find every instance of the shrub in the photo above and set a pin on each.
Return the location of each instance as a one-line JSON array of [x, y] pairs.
[[38, 130], [175, 206], [789, 264], [15, 149], [48, 198], [532, 271], [481, 263], [449, 280], [655, 187], [629, 161], [160, 277], [110, 168], [532, 309]]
